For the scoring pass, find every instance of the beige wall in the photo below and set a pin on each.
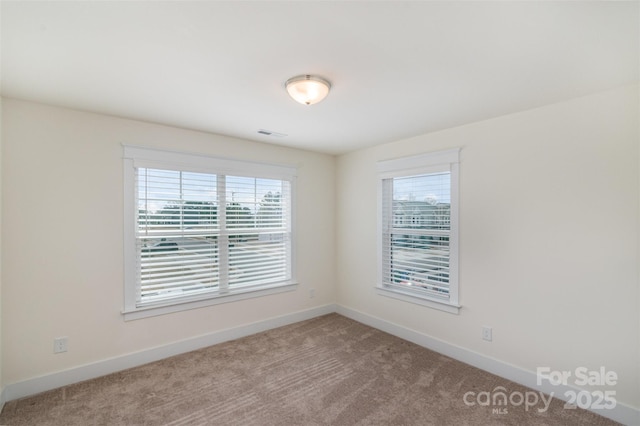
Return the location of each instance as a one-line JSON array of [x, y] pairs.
[[548, 237], [62, 184], [1, 322]]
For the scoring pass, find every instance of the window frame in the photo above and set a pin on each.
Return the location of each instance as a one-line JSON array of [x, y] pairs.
[[142, 157], [415, 165]]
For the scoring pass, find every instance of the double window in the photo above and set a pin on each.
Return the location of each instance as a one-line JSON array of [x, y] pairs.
[[201, 230], [418, 229]]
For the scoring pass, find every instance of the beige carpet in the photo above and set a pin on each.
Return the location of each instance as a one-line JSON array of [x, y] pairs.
[[325, 371]]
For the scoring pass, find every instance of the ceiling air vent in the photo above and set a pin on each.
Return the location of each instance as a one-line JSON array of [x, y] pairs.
[[270, 133]]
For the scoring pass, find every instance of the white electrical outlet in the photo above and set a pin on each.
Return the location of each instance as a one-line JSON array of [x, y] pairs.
[[312, 293], [487, 333], [59, 345]]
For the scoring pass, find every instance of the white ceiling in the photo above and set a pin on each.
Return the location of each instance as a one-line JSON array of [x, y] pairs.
[[398, 69]]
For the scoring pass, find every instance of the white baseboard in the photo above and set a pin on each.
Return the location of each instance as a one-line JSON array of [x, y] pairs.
[[112, 365], [622, 413]]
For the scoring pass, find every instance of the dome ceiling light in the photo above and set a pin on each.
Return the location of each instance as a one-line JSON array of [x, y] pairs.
[[307, 89]]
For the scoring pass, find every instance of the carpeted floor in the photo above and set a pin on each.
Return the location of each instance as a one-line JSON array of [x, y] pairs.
[[325, 371]]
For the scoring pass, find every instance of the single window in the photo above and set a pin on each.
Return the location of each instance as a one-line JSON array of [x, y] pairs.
[[203, 230], [418, 229]]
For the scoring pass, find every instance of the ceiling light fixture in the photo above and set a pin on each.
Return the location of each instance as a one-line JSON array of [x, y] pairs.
[[308, 89]]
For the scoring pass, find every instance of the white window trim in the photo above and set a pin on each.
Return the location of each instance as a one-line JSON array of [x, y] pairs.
[[135, 157], [415, 165], [212, 299]]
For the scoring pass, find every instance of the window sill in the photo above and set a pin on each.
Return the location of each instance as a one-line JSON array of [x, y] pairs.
[[214, 299], [412, 298]]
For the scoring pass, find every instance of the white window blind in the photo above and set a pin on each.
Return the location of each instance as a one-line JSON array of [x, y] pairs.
[[178, 233], [204, 228], [258, 230], [418, 227], [416, 236]]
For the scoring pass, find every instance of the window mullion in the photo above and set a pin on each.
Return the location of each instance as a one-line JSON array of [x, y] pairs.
[[223, 238]]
